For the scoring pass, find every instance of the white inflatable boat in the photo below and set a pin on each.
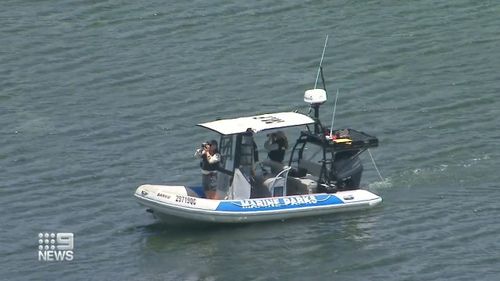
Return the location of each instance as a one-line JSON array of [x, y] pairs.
[[177, 203], [322, 175]]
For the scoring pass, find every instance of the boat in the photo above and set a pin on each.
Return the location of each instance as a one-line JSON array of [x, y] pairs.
[[321, 176]]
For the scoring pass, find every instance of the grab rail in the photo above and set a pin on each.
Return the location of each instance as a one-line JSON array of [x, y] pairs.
[[283, 174]]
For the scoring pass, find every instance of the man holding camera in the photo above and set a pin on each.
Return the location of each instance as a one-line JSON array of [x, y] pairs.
[[210, 161], [276, 145]]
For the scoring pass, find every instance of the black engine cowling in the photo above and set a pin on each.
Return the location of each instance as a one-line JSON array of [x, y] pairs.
[[346, 171]]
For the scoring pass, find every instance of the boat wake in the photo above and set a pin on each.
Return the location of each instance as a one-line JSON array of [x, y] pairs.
[[382, 184]]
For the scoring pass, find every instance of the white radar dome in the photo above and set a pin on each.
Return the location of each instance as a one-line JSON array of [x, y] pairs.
[[315, 96]]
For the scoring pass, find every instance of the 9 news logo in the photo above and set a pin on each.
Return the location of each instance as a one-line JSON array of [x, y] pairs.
[[55, 246]]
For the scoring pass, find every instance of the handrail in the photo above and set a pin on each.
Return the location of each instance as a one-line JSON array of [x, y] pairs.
[[283, 172]]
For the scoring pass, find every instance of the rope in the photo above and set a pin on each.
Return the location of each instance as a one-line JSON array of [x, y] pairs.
[[375, 165]]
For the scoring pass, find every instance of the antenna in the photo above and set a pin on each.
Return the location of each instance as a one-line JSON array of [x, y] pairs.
[[321, 62], [333, 114]]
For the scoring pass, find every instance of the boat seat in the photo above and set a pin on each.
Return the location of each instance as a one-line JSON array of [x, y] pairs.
[[277, 185]]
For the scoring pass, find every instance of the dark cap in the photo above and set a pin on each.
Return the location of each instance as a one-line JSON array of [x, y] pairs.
[[213, 142]]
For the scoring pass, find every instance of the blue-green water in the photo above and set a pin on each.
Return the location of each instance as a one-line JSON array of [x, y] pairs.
[[98, 97]]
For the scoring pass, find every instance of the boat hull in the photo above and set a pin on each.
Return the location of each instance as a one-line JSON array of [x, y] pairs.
[[175, 204]]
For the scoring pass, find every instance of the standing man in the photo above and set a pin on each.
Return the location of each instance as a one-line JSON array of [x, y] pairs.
[[210, 161]]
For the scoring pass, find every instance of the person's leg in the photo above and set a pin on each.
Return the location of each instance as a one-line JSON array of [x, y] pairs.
[[212, 186], [276, 167], [205, 182]]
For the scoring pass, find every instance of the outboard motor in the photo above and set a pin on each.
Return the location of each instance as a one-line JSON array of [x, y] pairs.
[[347, 171]]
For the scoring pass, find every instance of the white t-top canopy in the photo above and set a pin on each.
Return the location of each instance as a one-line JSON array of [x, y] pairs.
[[258, 123]]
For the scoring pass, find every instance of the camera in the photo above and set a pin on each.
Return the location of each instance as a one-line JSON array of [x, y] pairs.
[[204, 145]]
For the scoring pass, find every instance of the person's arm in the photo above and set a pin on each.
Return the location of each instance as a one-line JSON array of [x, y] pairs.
[[213, 158], [270, 146]]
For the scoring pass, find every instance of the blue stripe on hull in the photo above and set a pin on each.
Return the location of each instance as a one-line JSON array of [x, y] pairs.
[[279, 203]]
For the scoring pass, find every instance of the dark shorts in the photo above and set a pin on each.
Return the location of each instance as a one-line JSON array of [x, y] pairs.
[[209, 182]]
